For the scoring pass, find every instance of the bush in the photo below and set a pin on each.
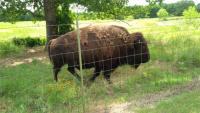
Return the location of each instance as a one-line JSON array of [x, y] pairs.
[[120, 17], [8, 48], [129, 17], [153, 10], [191, 13], [139, 11], [29, 42], [162, 14], [176, 9]]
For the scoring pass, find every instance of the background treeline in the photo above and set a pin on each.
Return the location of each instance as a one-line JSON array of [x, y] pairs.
[[127, 12], [149, 11], [25, 16]]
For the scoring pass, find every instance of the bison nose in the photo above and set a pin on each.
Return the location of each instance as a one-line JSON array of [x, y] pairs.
[[147, 57]]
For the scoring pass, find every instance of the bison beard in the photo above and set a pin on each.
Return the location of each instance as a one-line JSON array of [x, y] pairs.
[[104, 47]]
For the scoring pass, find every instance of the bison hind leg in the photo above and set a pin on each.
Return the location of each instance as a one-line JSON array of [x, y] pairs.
[[56, 71]]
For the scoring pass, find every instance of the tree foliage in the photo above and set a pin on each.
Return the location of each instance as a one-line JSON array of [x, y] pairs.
[[137, 11], [64, 17], [176, 9], [191, 13], [12, 10], [113, 7], [198, 7], [153, 9], [162, 14]]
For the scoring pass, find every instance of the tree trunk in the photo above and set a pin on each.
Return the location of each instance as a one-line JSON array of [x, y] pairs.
[[51, 22]]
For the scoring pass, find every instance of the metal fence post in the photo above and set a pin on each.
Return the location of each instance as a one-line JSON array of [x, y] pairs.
[[80, 64]]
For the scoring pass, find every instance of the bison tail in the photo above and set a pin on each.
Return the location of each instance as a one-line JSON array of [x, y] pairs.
[[49, 47]]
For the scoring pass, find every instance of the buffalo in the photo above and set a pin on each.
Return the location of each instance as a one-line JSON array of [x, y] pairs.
[[104, 47]]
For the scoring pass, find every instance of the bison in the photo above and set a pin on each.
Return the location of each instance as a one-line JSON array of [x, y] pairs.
[[104, 47]]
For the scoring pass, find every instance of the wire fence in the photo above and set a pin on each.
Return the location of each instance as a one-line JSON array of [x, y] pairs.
[[102, 53]]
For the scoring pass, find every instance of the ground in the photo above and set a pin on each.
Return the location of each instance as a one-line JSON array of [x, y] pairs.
[[169, 83]]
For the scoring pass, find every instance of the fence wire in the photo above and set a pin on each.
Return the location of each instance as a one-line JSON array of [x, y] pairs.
[[123, 57]]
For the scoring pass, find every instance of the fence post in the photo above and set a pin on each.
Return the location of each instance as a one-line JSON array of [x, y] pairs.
[[80, 64]]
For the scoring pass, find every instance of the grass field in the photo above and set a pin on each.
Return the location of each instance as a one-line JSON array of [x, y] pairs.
[[8, 31], [21, 29], [169, 83]]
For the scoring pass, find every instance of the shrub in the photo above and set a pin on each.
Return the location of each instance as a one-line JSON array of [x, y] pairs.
[[29, 42], [162, 14], [129, 17], [8, 48], [138, 11], [153, 10], [191, 13]]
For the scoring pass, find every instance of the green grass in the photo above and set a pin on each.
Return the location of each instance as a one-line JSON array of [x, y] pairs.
[[8, 49], [174, 62], [187, 102], [21, 29]]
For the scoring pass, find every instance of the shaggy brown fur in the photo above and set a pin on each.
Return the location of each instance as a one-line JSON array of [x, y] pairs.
[[103, 47]]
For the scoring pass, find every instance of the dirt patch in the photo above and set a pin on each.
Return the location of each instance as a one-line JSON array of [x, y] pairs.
[[151, 99], [113, 108], [148, 100], [119, 108], [29, 55]]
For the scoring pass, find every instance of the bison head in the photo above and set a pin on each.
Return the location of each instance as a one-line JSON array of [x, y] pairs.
[[140, 52]]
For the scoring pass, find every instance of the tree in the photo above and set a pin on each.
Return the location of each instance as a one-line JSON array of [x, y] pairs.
[[160, 2], [191, 13], [137, 11], [57, 11], [11, 10], [114, 7], [177, 8], [153, 9], [162, 14], [198, 7], [50, 17]]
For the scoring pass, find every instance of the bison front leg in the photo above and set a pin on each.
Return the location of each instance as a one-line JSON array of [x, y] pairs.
[[72, 70], [107, 75]]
